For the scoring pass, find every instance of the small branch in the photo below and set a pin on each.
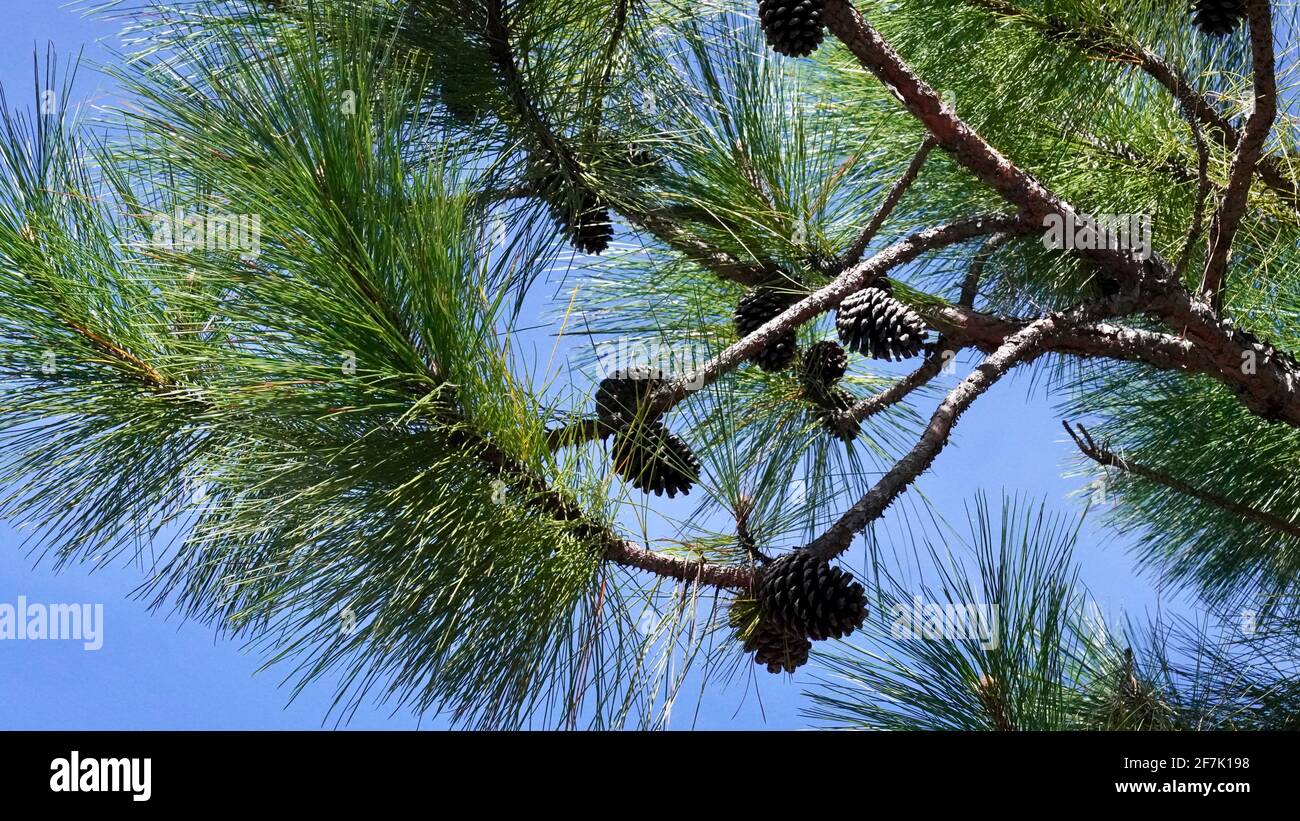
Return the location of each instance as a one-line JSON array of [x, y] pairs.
[[827, 298], [744, 508], [1228, 218], [900, 390], [1103, 456], [577, 433], [732, 577], [502, 51], [854, 254], [671, 233], [1202, 191], [970, 285], [617, 26], [146, 372], [1020, 346], [614, 548]]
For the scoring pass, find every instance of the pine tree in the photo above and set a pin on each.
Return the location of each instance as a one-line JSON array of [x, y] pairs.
[[342, 411]]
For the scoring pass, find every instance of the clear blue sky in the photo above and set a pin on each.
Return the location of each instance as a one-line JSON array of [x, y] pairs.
[[156, 672]]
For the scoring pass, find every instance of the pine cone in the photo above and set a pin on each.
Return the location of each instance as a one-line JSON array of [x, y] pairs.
[[654, 459], [622, 396], [804, 594], [832, 406], [757, 307], [776, 649], [872, 322], [589, 226], [584, 220], [792, 27], [1218, 17], [823, 364]]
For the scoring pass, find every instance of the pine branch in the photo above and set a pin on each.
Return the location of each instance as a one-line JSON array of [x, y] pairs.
[[970, 285], [618, 25], [501, 49], [1248, 151], [1020, 346], [811, 306], [1104, 456], [970, 149], [944, 350], [660, 225], [1272, 391], [854, 254], [1108, 46], [1203, 186], [900, 390]]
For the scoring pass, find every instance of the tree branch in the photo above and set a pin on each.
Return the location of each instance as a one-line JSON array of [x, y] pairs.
[[900, 390], [1103, 456], [1101, 44], [830, 296], [1202, 191], [854, 254], [1249, 150], [613, 546], [1020, 346], [1272, 391], [820, 301], [968, 147]]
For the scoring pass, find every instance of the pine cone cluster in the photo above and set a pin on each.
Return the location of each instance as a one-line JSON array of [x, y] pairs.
[[757, 307], [872, 322], [1218, 17], [776, 649], [645, 453], [804, 594], [792, 27], [655, 460], [824, 364]]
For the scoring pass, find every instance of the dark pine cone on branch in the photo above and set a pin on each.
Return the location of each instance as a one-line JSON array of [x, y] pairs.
[[792, 27], [1218, 17], [832, 410], [583, 218], [873, 323], [776, 649], [823, 364], [757, 307], [622, 396], [804, 594], [655, 460]]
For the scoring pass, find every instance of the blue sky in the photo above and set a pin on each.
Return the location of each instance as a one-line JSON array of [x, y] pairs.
[[157, 672]]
